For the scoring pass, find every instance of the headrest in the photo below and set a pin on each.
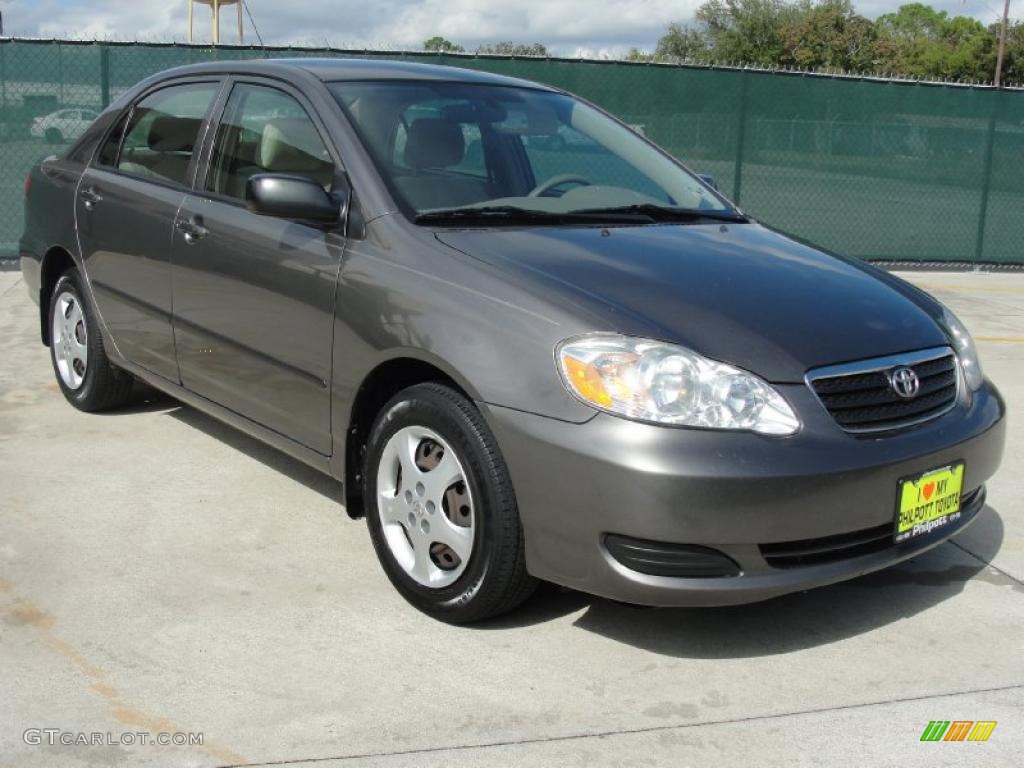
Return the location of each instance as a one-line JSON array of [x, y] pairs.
[[292, 145], [434, 143], [173, 134]]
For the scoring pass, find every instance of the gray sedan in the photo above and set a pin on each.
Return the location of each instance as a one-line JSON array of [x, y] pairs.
[[525, 359]]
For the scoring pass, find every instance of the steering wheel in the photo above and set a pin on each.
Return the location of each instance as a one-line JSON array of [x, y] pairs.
[[557, 181]]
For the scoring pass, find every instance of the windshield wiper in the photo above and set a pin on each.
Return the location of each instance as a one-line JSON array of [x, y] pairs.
[[669, 213], [511, 214]]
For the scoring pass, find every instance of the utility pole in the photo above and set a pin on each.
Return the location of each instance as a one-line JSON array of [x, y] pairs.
[[1002, 43]]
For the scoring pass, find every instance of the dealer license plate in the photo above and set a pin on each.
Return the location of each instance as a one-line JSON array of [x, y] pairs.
[[929, 502]]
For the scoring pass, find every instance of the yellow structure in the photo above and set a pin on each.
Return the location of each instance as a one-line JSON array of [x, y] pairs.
[[215, 5]]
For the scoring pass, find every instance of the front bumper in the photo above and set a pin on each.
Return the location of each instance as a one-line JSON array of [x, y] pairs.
[[736, 493]]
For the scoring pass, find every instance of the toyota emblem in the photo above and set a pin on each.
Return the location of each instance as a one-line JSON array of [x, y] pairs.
[[904, 382]]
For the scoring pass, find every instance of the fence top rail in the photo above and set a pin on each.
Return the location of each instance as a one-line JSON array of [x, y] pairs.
[[892, 79]]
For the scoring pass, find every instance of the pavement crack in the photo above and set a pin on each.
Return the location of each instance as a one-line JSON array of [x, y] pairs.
[[628, 731]]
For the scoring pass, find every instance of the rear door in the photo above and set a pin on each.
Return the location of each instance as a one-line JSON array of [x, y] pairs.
[[126, 204], [254, 295]]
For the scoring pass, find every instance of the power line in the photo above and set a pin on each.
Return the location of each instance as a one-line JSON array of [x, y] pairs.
[[255, 29]]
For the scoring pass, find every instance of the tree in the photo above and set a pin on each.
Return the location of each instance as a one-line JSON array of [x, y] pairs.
[[925, 42], [682, 42], [507, 48], [441, 45], [916, 40], [748, 31], [1013, 63], [832, 35]]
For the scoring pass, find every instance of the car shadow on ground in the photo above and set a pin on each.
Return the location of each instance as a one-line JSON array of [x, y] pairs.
[[789, 623], [782, 625], [145, 399]]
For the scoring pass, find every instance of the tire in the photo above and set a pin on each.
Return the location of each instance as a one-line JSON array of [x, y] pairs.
[[54, 136], [433, 424], [84, 373]]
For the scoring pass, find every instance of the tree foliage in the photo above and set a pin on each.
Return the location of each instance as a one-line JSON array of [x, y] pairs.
[[441, 45], [916, 40]]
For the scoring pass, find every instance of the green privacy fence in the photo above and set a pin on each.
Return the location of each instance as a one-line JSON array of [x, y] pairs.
[[877, 169]]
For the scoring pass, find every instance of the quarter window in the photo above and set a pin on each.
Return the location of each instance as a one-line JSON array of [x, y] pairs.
[[265, 130], [162, 133]]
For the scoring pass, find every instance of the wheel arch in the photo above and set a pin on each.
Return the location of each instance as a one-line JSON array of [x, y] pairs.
[[382, 383]]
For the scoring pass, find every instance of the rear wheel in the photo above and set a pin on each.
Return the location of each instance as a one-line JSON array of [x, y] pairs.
[[84, 373], [440, 507]]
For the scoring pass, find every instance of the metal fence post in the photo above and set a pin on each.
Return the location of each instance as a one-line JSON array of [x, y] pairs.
[[3, 74], [737, 179], [986, 177], [104, 76]]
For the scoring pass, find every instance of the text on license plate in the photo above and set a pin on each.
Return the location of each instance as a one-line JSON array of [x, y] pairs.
[[929, 502]]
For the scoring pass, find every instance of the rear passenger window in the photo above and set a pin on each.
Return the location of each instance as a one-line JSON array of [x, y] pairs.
[[265, 130], [163, 131]]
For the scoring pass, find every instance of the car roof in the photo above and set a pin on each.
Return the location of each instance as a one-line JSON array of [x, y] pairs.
[[341, 69]]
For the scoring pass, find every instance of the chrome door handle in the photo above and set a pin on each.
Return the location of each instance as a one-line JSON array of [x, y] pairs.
[[193, 230], [90, 197]]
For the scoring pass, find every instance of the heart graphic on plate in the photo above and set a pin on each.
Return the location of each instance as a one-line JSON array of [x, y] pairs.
[[928, 490]]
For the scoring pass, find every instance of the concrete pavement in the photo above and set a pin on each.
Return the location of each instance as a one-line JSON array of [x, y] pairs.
[[160, 572]]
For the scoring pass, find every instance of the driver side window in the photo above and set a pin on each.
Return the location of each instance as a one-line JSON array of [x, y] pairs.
[[265, 130]]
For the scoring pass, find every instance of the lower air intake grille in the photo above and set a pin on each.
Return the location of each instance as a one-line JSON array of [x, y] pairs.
[[659, 558], [831, 549]]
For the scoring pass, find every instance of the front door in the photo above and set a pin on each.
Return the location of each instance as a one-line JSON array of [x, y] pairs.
[[254, 295], [126, 207]]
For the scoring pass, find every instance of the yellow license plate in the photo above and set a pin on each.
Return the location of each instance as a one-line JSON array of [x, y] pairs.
[[929, 502]]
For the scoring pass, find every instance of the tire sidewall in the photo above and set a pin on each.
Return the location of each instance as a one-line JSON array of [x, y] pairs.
[[69, 282], [427, 409]]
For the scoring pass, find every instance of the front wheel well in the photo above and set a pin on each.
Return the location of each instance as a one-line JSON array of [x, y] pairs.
[[384, 382], [56, 262]]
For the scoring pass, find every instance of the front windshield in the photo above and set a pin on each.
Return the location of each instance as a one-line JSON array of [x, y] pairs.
[[444, 146]]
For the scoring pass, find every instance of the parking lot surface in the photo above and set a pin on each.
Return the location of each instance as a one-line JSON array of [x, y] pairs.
[[162, 573]]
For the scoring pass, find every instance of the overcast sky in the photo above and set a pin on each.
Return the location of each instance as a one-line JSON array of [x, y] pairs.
[[567, 27]]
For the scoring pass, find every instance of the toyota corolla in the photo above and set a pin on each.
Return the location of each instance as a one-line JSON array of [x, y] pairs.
[[524, 359]]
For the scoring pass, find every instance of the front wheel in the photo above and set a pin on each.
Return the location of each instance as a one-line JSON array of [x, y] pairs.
[[440, 507]]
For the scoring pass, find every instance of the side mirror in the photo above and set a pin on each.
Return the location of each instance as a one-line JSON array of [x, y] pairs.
[[709, 180], [292, 197]]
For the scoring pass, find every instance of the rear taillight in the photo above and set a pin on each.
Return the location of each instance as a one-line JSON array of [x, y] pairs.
[[28, 184]]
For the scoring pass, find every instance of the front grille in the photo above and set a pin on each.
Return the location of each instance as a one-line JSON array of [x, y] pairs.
[[831, 549], [860, 398]]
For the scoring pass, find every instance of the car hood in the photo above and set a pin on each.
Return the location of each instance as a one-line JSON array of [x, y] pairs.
[[738, 293]]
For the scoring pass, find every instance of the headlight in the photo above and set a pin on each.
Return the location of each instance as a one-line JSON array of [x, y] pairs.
[[663, 383], [965, 349]]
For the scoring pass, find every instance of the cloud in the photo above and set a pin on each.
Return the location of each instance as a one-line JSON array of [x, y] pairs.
[[602, 28]]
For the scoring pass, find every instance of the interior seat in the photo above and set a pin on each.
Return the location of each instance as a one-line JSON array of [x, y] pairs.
[[293, 145], [432, 146]]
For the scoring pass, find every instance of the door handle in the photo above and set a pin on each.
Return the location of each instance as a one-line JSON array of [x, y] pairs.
[[90, 197], [193, 230]]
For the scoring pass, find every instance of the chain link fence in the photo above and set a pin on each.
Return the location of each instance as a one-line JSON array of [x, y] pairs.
[[886, 170]]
